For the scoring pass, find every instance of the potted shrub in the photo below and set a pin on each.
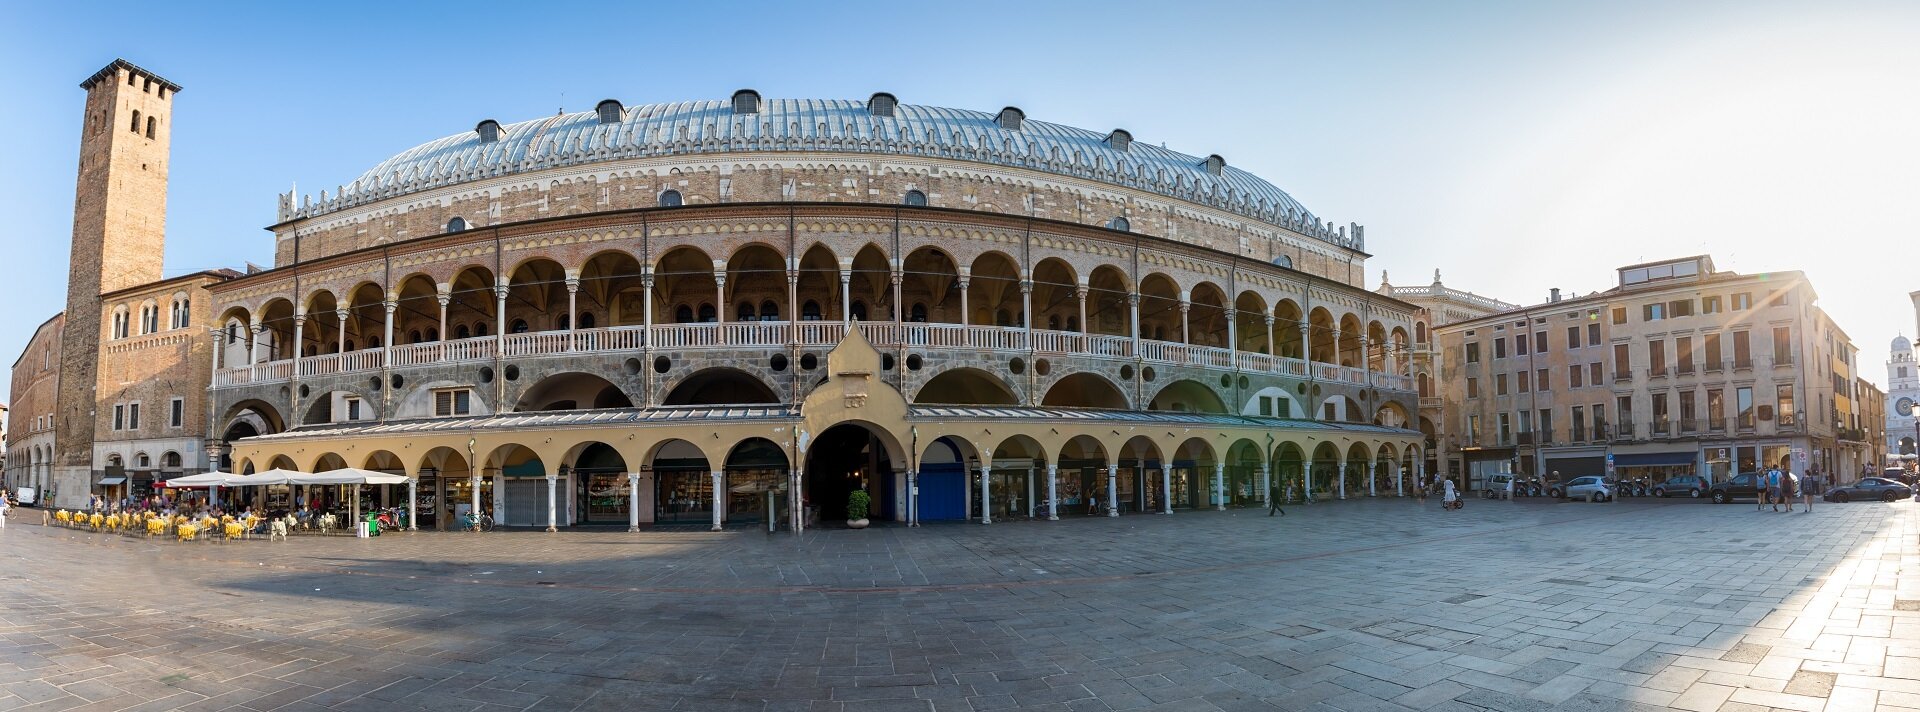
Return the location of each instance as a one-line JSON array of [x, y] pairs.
[[857, 509]]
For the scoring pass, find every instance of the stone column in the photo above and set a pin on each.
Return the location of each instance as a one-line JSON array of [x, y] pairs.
[[1266, 485], [793, 300], [633, 502], [720, 311], [1233, 335], [1220, 486], [1026, 307], [986, 494], [413, 503], [1053, 492], [340, 334], [1186, 329], [213, 381], [1133, 315], [1373, 473], [473, 479], [796, 513], [966, 308], [259, 343], [846, 295], [500, 498], [1080, 295], [1342, 488], [1399, 481], [299, 335], [1113, 490], [719, 497], [1273, 344], [893, 305], [553, 482], [1366, 355], [386, 340], [443, 296], [500, 319], [1306, 470], [1306, 353], [913, 498], [573, 310]]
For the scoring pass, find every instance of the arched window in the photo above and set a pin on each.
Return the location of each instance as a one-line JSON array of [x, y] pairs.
[[349, 345], [609, 111], [810, 311], [1073, 323], [915, 197], [151, 122], [373, 342], [670, 199], [413, 337], [135, 127], [683, 314], [859, 310], [519, 326], [1003, 318], [744, 312], [1053, 322], [918, 313], [1420, 332], [1120, 223], [586, 320], [462, 332], [457, 224], [708, 314], [142, 461], [170, 461], [233, 333], [433, 333], [769, 311], [1283, 261], [489, 131], [480, 328], [564, 322]]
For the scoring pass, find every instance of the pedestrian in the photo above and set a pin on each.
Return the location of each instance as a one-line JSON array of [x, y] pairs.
[[1773, 489], [1420, 491], [4, 506], [1449, 496], [1807, 486], [1093, 506], [1273, 501]]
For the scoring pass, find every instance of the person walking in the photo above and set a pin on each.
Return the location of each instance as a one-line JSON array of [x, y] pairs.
[[1808, 485], [1449, 496], [1420, 492], [1273, 501], [1773, 489], [4, 506]]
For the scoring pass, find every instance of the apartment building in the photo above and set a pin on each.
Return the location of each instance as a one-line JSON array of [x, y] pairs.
[[1437, 305], [1676, 369]]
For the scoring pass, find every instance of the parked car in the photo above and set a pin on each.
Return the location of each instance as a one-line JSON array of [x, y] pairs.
[[1589, 487], [1495, 486], [1688, 485], [1741, 486], [1868, 489]]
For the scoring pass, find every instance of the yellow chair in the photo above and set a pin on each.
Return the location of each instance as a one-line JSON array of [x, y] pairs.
[[63, 517], [235, 530], [95, 521], [187, 531], [156, 527]]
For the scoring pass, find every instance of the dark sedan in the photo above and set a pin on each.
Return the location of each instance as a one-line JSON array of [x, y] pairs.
[[1869, 489]]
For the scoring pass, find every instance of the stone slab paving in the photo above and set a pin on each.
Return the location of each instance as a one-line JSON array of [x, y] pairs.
[[1355, 606]]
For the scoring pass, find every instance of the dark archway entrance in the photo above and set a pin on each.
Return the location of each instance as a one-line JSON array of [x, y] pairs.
[[844, 458]]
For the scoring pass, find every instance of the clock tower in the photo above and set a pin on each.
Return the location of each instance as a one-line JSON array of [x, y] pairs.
[[1903, 398]]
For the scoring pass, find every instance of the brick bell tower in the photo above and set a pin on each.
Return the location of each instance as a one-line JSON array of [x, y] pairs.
[[119, 232]]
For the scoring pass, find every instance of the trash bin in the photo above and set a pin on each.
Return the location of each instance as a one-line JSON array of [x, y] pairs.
[[373, 525]]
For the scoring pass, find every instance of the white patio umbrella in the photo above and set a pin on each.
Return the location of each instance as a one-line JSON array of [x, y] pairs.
[[351, 476], [206, 479]]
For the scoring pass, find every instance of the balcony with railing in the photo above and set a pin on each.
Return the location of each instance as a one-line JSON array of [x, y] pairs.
[[732, 335], [1621, 375], [1622, 432]]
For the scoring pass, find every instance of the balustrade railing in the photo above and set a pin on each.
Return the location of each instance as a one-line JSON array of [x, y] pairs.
[[809, 334]]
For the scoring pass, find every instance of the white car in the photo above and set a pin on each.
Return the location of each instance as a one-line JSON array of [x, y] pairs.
[[1590, 488]]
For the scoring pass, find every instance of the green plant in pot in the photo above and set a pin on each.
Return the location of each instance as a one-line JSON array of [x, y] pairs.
[[857, 504]]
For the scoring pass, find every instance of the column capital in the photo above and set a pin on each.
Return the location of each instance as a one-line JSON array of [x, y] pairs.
[[299, 318], [1133, 299], [1268, 320], [964, 280], [573, 284], [500, 291], [342, 315], [1026, 286], [391, 306], [443, 298]]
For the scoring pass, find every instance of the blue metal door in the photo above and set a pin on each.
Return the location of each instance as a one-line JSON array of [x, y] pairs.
[[943, 492]]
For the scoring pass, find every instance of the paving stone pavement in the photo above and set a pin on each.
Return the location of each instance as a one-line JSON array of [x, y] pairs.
[[1355, 606]]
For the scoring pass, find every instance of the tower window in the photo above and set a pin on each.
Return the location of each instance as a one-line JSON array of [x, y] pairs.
[[915, 197], [135, 127], [151, 123], [609, 111], [458, 224], [670, 199]]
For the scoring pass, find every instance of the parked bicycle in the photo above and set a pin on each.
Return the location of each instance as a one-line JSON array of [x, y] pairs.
[[482, 522]]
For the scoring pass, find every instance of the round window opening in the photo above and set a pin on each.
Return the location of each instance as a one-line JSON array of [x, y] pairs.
[[809, 361], [513, 373], [486, 374], [1147, 373], [374, 383], [399, 380], [1126, 373], [913, 362], [778, 362], [886, 362], [303, 391], [1017, 365], [1043, 367], [632, 366], [662, 364]]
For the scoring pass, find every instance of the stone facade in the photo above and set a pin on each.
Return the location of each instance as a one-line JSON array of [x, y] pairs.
[[152, 410], [36, 386], [1436, 305], [119, 226], [1702, 372]]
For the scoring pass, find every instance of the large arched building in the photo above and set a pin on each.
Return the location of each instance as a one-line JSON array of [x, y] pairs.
[[684, 311]]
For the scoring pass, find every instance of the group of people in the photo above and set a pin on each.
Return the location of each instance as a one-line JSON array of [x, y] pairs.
[[1780, 487]]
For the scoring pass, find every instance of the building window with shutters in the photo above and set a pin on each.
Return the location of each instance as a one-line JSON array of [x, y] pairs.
[[452, 402], [176, 412], [133, 416]]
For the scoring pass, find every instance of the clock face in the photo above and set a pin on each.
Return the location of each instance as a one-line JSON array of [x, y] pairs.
[[1904, 406]]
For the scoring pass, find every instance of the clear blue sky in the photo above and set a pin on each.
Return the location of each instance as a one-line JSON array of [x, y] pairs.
[[1516, 146]]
